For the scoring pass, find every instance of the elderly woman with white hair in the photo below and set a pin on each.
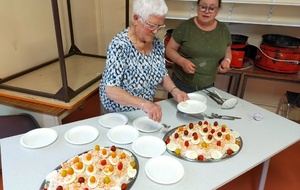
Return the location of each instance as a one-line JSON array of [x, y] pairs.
[[135, 64]]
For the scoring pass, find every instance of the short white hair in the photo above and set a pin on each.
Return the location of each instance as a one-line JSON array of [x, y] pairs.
[[146, 8]]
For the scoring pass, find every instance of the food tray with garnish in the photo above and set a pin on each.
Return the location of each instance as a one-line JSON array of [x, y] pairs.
[[100, 168], [203, 142]]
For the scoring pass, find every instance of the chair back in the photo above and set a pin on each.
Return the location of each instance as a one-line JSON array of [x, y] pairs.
[[293, 98], [11, 125]]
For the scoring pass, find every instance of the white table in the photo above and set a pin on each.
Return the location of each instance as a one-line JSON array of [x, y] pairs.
[[26, 168]]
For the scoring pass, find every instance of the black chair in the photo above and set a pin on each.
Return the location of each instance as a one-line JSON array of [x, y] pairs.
[[291, 99], [11, 125]]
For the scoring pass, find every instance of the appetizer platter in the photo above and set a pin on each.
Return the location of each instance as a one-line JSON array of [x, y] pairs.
[[107, 168], [203, 142]]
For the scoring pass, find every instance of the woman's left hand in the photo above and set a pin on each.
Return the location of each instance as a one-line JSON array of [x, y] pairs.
[[179, 95]]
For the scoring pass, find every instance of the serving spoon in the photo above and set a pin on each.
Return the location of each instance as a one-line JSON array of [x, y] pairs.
[[225, 103]]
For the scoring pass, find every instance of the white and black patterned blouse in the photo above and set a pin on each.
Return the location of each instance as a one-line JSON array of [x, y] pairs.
[[131, 70]]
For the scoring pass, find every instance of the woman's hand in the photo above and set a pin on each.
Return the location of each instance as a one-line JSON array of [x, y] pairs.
[[153, 110], [172, 53], [188, 66], [224, 66], [225, 63], [179, 95]]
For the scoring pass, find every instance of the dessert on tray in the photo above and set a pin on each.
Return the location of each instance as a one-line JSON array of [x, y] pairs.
[[203, 141], [100, 168]]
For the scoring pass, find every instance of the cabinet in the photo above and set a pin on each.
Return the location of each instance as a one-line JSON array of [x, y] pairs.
[[262, 12]]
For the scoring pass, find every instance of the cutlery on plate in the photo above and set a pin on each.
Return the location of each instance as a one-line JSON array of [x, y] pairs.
[[215, 97], [166, 126], [218, 101], [208, 116], [224, 116], [225, 103]]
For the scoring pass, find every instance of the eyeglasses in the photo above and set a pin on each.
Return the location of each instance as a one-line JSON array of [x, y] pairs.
[[210, 9], [152, 26]]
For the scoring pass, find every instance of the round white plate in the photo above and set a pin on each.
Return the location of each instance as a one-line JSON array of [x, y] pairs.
[[149, 146], [123, 134], [82, 134], [191, 106], [144, 124], [112, 120], [199, 97], [38, 138], [164, 169]]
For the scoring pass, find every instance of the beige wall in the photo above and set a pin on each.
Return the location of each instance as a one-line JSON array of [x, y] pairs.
[[28, 35], [28, 38]]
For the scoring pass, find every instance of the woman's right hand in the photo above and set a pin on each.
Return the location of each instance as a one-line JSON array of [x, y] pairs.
[[153, 110], [188, 66], [172, 53]]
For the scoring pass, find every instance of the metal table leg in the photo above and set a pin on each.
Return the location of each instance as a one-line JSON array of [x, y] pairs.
[[263, 176]]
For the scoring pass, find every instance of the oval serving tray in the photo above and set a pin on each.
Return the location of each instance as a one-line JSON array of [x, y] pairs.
[[129, 184], [224, 157]]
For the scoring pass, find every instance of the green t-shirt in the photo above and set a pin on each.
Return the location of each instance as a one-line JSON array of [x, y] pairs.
[[203, 48]]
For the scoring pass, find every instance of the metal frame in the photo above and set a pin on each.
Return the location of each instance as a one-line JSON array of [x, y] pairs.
[[65, 93], [246, 76]]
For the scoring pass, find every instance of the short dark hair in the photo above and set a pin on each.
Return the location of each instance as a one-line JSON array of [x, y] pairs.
[[220, 1]]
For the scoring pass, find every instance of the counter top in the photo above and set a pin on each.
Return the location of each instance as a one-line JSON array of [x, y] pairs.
[[26, 168]]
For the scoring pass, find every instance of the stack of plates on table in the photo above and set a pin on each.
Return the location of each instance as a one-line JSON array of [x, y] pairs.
[[112, 120], [83, 134], [149, 146], [144, 124], [123, 134], [38, 138], [164, 169]]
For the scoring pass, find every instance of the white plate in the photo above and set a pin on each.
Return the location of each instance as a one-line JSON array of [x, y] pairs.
[[199, 97], [112, 120], [38, 138], [164, 169], [149, 146], [191, 106], [81, 134], [144, 124], [123, 134]]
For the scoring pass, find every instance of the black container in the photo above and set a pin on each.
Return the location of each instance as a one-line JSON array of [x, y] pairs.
[[251, 52], [280, 41], [239, 39]]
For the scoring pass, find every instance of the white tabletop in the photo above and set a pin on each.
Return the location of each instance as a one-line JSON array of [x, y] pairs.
[[26, 169]]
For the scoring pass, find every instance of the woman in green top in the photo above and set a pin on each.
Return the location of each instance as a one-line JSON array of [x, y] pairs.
[[200, 47]]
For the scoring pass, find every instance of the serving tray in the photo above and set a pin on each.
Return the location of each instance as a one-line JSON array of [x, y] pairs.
[[45, 183], [195, 158]]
